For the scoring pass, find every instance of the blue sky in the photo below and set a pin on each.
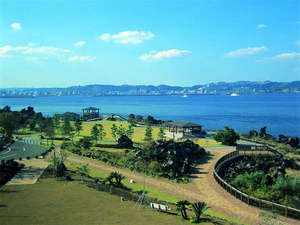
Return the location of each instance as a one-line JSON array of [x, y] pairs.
[[68, 42]]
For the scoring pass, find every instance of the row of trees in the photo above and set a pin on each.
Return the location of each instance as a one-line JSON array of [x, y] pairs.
[[149, 120], [12, 121]]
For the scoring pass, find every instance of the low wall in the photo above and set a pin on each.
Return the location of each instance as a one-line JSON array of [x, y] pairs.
[[262, 204]]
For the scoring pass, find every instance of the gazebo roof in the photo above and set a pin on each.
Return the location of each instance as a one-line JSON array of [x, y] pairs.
[[181, 123], [91, 108]]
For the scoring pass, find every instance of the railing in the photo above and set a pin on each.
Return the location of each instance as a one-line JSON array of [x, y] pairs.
[[262, 204]]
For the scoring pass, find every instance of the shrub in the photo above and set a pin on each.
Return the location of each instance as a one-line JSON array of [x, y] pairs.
[[125, 142], [227, 137]]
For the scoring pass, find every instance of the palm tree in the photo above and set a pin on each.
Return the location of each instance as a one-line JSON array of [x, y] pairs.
[[199, 208], [181, 206]]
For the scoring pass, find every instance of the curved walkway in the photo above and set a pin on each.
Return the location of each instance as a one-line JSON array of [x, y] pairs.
[[202, 187]]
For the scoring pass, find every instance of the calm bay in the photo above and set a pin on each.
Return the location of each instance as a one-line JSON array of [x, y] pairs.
[[280, 113]]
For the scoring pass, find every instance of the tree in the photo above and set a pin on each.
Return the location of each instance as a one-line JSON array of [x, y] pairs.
[[5, 109], [56, 120], [67, 128], [115, 178], [138, 118], [58, 163], [95, 132], [227, 137], [148, 134], [199, 208], [78, 126], [253, 133], [120, 131], [161, 133], [8, 124], [263, 132], [114, 131], [131, 116], [6, 139], [9, 121], [150, 120], [102, 132], [85, 142], [48, 128], [32, 124], [181, 206], [83, 170], [125, 142], [130, 131]]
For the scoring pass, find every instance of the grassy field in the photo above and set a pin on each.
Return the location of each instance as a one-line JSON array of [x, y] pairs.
[[138, 135], [59, 202], [134, 187], [152, 192]]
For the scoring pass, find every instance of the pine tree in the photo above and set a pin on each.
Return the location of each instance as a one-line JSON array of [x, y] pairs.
[[161, 133], [95, 132], [130, 131], [78, 126], [148, 134], [102, 133], [114, 131]]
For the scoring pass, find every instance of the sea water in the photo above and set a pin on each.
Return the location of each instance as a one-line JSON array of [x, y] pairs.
[[280, 113]]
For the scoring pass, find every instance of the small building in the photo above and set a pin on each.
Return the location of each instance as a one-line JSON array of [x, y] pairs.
[[91, 113], [183, 129]]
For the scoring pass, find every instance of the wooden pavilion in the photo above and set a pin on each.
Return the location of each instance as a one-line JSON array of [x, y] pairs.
[[91, 112], [183, 129]]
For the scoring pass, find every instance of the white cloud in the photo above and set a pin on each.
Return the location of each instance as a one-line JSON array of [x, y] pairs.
[[80, 43], [298, 43], [261, 26], [153, 55], [47, 51], [16, 26], [30, 44], [283, 56], [41, 52], [81, 59], [246, 51], [7, 49], [127, 37]]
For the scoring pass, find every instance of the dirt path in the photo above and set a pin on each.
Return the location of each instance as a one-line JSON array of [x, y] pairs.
[[202, 187]]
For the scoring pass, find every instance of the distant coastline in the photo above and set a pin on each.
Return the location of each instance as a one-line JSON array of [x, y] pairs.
[[219, 88]]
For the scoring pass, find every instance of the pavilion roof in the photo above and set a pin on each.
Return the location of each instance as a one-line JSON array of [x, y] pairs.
[[90, 108], [181, 123]]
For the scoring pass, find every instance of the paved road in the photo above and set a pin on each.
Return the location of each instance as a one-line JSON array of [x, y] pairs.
[[21, 150]]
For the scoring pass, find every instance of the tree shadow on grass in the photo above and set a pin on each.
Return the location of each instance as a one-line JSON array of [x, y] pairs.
[[8, 191], [209, 220], [3, 205]]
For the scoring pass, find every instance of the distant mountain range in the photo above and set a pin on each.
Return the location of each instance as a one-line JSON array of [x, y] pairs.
[[222, 88]]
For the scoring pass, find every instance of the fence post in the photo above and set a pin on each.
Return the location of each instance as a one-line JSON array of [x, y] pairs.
[[286, 211], [272, 207]]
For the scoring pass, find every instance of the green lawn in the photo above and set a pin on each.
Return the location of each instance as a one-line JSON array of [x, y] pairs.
[[138, 135], [135, 186], [152, 192], [60, 202]]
